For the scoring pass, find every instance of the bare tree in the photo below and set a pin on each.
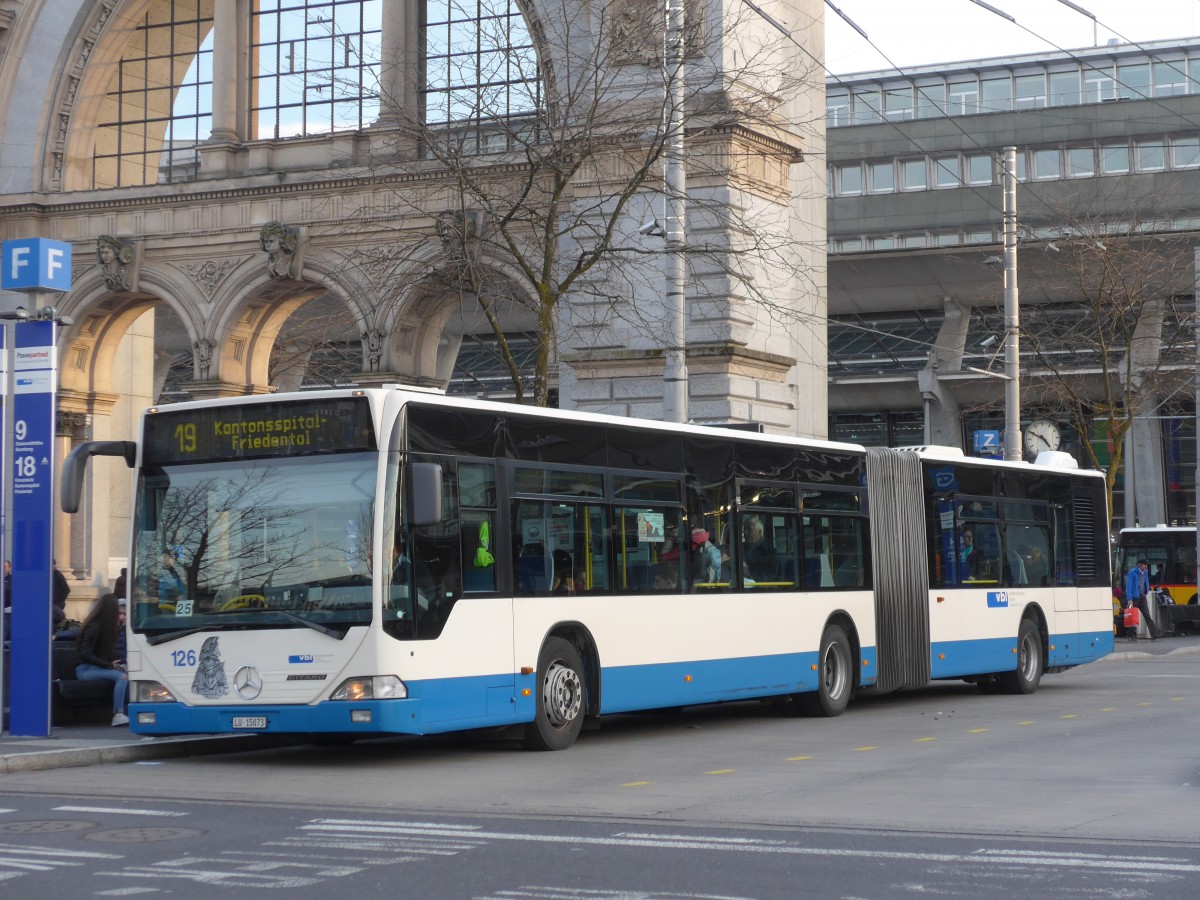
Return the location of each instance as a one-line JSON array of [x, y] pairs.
[[543, 157], [1111, 338]]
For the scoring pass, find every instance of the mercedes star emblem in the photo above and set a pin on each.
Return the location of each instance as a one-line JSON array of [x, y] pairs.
[[247, 682]]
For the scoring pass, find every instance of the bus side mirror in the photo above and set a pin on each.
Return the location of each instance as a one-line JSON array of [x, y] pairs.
[[424, 494], [75, 467]]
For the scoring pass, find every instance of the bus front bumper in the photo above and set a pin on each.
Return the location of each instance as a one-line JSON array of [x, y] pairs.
[[330, 717]]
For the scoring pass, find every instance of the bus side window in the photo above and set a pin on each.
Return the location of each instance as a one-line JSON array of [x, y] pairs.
[[477, 502]]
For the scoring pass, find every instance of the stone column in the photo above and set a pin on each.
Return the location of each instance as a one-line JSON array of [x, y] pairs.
[[230, 56], [400, 53]]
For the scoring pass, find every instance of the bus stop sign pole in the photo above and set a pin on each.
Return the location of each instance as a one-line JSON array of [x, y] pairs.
[[31, 266]]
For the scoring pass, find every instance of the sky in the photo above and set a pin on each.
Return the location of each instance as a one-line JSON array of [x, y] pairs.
[[919, 32]]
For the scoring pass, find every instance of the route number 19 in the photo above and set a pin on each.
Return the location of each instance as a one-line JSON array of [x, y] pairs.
[[185, 434]]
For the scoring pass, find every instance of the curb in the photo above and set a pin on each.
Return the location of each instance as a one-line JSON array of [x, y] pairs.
[[74, 757], [1119, 655]]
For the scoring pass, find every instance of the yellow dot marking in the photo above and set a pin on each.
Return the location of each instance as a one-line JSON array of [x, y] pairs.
[[1070, 716], [798, 758], [636, 783], [720, 771], [977, 731], [862, 749], [922, 740], [1025, 723]]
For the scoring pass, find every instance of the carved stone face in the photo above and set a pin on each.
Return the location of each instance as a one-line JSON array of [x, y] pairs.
[[107, 254], [271, 243]]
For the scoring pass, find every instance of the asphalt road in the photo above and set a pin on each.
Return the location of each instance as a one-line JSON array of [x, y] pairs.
[[1088, 787]]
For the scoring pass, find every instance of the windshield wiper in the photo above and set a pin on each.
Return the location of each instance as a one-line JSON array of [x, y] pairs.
[[315, 626], [164, 637]]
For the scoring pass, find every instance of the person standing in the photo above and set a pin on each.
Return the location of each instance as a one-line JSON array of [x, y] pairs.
[[97, 645], [1137, 586], [706, 559]]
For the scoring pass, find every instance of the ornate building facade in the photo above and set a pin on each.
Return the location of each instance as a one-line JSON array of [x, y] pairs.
[[222, 166]]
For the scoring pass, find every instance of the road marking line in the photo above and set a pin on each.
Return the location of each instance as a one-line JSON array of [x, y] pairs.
[[1145, 703], [1173, 699], [977, 731], [1070, 716], [636, 783], [115, 809], [922, 740], [720, 771], [864, 749], [798, 758], [1026, 722], [373, 828], [1108, 709]]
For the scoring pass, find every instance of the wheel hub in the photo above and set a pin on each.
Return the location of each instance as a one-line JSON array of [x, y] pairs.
[[562, 695]]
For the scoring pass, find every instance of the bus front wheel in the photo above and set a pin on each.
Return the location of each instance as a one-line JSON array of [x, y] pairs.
[[1028, 675], [560, 698], [835, 674]]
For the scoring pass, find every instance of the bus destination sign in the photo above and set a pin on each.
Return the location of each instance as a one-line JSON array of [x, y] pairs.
[[255, 430]]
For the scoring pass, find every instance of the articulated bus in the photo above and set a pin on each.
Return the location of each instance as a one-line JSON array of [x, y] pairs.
[[361, 562]]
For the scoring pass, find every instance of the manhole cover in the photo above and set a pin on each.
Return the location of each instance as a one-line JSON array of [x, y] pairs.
[[49, 826], [137, 835]]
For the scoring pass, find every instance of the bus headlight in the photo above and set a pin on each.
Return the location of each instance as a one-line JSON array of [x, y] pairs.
[[379, 687], [149, 692]]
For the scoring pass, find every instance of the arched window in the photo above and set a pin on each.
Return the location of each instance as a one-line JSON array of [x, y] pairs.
[[315, 68], [158, 106]]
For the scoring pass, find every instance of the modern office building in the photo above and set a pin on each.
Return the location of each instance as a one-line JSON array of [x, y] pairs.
[[1108, 185]]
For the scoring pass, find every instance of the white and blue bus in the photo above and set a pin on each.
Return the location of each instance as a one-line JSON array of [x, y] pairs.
[[360, 562]]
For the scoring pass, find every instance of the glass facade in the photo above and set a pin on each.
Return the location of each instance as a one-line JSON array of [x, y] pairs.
[[1035, 85], [315, 66], [479, 62]]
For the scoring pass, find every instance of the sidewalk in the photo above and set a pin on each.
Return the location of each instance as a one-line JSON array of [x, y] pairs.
[[96, 744]]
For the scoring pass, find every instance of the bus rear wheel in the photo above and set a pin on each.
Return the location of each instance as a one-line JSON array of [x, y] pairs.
[[560, 698], [835, 674], [1028, 675]]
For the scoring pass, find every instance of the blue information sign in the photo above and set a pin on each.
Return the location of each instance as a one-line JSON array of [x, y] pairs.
[[32, 478], [35, 264], [987, 443]]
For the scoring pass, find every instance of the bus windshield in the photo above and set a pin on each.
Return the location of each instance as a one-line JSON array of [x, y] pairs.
[[270, 543]]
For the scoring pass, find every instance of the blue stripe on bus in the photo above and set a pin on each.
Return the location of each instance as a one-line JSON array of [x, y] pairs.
[[452, 704], [954, 659]]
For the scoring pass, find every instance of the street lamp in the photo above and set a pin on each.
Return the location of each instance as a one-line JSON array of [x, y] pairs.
[[675, 374]]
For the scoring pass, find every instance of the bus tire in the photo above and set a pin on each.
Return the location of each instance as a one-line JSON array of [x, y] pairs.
[[835, 676], [1028, 673], [560, 697]]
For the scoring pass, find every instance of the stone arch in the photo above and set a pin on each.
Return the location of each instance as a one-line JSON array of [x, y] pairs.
[[420, 347], [249, 314], [91, 63], [102, 317]]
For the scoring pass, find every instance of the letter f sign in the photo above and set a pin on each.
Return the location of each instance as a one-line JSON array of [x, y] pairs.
[[19, 259]]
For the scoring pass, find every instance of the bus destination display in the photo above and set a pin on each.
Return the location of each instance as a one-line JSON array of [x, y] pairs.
[[256, 430]]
